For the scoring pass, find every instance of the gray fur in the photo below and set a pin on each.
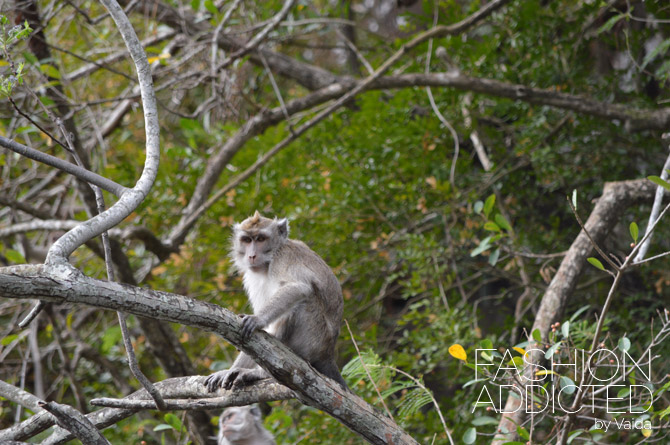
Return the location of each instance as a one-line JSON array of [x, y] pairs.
[[242, 425], [294, 295]]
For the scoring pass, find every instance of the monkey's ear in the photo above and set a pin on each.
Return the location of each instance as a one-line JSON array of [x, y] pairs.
[[256, 412], [282, 227]]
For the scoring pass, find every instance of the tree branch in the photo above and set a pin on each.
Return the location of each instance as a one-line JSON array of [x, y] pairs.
[[68, 167], [616, 198], [64, 246], [62, 283]]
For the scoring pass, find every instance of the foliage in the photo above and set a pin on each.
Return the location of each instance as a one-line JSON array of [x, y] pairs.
[[425, 263]]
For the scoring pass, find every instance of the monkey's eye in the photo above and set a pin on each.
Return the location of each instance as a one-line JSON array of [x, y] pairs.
[[260, 238], [245, 239]]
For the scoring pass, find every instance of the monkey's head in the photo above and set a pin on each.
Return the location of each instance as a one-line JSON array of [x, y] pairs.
[[236, 424], [255, 240]]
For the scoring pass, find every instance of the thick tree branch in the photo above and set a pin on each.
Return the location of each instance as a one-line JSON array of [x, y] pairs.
[[64, 284]]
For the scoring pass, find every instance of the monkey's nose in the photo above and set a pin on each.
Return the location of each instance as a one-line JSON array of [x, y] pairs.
[[252, 258]]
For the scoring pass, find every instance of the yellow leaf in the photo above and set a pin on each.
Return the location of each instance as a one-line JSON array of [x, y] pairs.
[[159, 57], [646, 432], [545, 372], [519, 350], [458, 352]]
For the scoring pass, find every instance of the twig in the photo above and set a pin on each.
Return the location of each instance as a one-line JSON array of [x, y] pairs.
[[258, 38], [433, 105], [418, 383], [593, 243], [68, 167], [34, 312], [374, 384], [276, 90], [656, 207]]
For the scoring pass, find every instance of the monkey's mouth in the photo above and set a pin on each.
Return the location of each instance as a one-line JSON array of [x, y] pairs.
[[256, 267]]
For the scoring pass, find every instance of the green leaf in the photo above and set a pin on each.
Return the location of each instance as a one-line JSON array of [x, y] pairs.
[[610, 23], [174, 421], [211, 7], [493, 258], [484, 245], [484, 420], [595, 262], [573, 435], [30, 57], [493, 227], [568, 384], [624, 344], [565, 329], [470, 436], [579, 312], [502, 222], [472, 382], [50, 71], [488, 205], [523, 433], [162, 427], [660, 49], [537, 335], [517, 361], [550, 352], [658, 181], [663, 71], [7, 340], [634, 231], [623, 392], [15, 256], [110, 338]]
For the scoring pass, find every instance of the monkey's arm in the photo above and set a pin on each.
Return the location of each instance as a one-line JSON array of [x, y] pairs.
[[283, 301]]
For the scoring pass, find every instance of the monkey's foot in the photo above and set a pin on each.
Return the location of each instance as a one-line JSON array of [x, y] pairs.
[[216, 380]]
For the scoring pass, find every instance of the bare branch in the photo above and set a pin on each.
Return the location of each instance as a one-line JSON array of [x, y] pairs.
[[75, 422], [68, 167]]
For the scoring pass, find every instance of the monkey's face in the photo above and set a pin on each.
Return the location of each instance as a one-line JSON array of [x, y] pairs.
[[255, 241], [255, 250], [238, 423]]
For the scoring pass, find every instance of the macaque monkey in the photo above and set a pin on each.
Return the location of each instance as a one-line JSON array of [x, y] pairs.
[[294, 295], [242, 425]]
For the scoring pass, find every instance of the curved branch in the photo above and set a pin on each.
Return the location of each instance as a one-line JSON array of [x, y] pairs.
[[65, 245]]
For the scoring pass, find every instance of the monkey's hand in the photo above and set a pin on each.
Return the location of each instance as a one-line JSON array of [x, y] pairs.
[[216, 380], [249, 324]]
